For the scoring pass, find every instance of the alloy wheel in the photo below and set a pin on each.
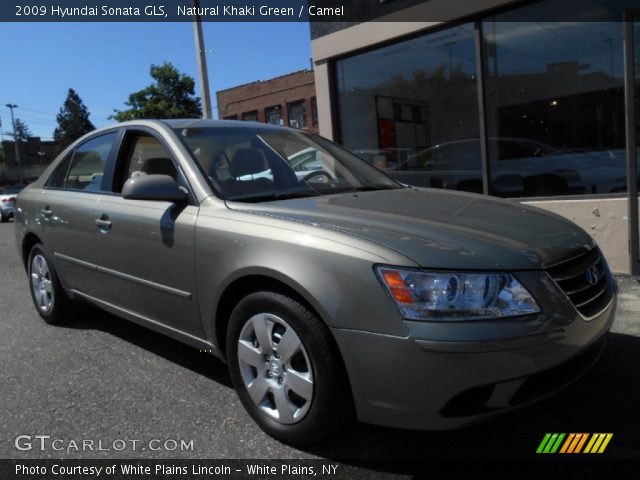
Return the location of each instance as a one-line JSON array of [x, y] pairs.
[[41, 284]]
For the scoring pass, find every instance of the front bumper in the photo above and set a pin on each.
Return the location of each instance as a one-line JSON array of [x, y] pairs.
[[409, 382]]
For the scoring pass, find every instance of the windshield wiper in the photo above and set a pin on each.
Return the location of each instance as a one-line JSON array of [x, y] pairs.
[[372, 188], [274, 196]]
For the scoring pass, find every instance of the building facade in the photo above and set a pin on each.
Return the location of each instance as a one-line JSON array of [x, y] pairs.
[[286, 100], [534, 101]]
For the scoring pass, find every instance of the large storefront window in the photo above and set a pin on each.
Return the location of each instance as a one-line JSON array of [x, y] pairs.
[[553, 94], [555, 106], [412, 109]]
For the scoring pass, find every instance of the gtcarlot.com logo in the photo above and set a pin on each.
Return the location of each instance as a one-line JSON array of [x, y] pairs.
[[47, 442], [574, 443]]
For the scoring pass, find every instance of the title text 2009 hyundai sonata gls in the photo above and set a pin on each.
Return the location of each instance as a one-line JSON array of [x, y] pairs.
[[329, 289]]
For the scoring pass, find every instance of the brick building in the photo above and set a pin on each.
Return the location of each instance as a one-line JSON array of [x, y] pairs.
[[35, 157], [286, 100]]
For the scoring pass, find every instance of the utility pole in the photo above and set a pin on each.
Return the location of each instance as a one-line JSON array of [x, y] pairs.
[[202, 63], [15, 142]]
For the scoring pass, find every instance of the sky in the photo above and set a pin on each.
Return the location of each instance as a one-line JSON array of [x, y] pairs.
[[105, 62]]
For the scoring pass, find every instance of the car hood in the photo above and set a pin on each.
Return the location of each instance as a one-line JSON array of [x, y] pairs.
[[440, 229]]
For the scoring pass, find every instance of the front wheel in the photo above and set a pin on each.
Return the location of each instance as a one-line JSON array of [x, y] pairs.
[[286, 369]]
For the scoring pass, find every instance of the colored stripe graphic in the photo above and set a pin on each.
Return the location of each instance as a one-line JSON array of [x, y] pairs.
[[574, 443], [581, 442], [598, 442], [577, 443], [567, 443], [543, 443], [550, 443]]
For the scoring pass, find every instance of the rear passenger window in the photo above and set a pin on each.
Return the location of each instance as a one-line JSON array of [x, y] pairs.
[[60, 175], [88, 164]]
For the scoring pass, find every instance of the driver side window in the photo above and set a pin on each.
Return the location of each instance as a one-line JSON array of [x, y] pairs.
[[145, 155]]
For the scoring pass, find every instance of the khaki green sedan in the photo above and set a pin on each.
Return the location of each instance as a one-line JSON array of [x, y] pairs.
[[332, 291]]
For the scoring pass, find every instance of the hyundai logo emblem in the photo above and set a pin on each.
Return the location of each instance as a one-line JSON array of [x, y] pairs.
[[592, 275]]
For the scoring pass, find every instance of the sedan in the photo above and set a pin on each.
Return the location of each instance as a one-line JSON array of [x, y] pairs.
[[339, 295], [7, 202]]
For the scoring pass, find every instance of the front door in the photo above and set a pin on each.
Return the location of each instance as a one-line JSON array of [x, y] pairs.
[[145, 249]]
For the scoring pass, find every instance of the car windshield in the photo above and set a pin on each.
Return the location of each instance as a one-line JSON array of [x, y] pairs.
[[256, 164]]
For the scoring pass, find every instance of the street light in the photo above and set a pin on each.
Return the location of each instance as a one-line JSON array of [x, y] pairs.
[[15, 142], [202, 62]]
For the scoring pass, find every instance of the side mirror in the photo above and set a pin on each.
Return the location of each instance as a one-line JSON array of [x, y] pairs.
[[153, 187]]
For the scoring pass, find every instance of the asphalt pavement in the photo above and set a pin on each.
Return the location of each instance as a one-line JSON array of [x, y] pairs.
[[103, 378]]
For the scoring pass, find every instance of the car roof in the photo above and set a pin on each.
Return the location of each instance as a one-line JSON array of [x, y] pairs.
[[202, 123], [177, 123]]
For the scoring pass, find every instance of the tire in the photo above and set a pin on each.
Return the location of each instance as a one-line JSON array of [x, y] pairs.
[[293, 383], [3, 218], [49, 298]]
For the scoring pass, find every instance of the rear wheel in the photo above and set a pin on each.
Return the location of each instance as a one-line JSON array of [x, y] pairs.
[[286, 369], [50, 300]]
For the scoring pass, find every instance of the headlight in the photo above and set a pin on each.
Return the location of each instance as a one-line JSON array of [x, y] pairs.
[[438, 296]]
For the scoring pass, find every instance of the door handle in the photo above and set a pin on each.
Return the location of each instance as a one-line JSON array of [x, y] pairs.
[[103, 223], [46, 211]]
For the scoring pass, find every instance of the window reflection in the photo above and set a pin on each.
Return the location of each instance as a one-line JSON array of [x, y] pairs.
[[555, 107], [553, 96], [411, 109]]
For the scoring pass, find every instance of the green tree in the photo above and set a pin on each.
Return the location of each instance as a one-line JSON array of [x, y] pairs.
[[73, 121], [172, 95], [22, 131]]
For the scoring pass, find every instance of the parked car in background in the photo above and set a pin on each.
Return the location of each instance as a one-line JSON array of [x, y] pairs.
[[7, 202], [386, 159], [342, 292], [520, 167]]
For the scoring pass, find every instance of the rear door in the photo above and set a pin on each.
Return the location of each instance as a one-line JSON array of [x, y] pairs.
[[145, 249], [67, 210]]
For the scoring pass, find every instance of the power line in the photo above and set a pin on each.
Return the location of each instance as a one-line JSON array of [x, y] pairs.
[[37, 120], [37, 111]]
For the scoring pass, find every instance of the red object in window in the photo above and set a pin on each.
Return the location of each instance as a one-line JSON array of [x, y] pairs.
[[386, 133]]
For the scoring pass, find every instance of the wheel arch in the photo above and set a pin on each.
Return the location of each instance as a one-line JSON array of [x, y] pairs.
[[252, 282], [29, 240], [246, 284]]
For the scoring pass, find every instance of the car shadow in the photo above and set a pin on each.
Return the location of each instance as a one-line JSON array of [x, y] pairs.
[[606, 399], [90, 318]]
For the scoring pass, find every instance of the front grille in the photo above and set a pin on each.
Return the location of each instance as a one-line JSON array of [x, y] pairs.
[[572, 277]]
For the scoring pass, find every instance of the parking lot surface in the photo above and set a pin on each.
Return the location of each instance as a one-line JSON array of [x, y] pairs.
[[101, 378]]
